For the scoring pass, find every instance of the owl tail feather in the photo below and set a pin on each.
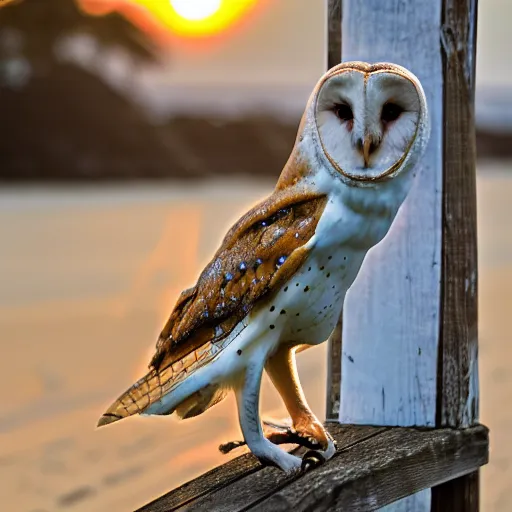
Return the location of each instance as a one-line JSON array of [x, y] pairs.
[[135, 400]]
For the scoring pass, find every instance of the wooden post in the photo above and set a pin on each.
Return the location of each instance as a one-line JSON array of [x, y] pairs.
[[457, 395], [409, 351], [332, 409]]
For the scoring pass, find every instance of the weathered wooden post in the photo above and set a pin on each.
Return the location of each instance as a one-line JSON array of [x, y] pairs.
[[409, 349], [406, 354]]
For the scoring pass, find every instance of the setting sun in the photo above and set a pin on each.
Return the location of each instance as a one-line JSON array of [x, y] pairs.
[[182, 18], [195, 10]]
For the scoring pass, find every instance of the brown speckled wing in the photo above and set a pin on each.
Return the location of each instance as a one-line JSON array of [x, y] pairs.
[[258, 255]]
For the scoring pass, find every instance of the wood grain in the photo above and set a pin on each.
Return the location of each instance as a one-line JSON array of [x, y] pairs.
[[458, 384], [458, 389], [244, 479], [383, 469], [458, 495], [209, 482], [257, 486], [374, 466]]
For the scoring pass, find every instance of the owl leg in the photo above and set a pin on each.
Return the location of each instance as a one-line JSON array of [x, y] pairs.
[[282, 370], [248, 397]]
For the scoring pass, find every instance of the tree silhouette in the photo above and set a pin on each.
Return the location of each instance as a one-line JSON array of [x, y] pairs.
[[60, 119], [43, 23]]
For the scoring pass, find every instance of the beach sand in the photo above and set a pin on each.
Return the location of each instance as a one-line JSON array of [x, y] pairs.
[[88, 275]]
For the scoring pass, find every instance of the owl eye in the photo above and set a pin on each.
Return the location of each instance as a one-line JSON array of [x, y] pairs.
[[391, 112], [343, 112]]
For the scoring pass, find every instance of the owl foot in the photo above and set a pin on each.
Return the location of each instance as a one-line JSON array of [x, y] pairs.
[[289, 464], [310, 435], [284, 434], [278, 433]]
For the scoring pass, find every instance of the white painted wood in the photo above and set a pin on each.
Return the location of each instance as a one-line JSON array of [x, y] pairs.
[[391, 318]]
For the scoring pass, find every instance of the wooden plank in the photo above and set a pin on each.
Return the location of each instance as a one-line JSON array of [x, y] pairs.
[[384, 468], [222, 476], [458, 393], [391, 318], [209, 482], [332, 409], [373, 466], [256, 486]]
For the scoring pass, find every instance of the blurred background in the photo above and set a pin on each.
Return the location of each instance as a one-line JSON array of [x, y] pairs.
[[133, 133]]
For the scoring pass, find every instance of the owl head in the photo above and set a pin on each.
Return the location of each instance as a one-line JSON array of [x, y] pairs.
[[368, 122]]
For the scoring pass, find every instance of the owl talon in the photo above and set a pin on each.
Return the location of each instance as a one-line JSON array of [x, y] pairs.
[[291, 436], [311, 460], [333, 441], [279, 435], [230, 446]]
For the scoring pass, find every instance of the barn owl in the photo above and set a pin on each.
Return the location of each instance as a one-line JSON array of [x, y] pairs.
[[279, 279]]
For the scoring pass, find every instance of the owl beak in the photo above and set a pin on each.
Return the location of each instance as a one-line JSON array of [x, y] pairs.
[[367, 150], [367, 146]]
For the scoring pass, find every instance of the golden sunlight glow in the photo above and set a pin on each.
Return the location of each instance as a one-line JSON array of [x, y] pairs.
[[195, 10], [183, 18]]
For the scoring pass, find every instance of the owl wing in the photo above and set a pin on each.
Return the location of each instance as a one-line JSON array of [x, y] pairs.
[[259, 253]]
